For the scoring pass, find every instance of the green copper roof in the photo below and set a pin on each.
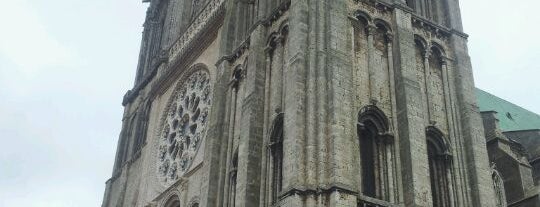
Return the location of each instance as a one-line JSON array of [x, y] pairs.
[[511, 116]]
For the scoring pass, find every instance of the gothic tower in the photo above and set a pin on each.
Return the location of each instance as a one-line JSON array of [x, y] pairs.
[[302, 103]]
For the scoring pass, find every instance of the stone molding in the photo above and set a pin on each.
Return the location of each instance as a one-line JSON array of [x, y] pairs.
[[190, 40], [199, 25]]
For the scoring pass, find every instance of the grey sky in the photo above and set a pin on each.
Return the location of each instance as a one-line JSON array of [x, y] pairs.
[[65, 65]]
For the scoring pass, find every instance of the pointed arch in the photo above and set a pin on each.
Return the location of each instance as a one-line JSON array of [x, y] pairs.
[[498, 186], [276, 156], [172, 201]]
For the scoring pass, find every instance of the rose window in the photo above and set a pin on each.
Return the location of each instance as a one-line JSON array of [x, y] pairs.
[[184, 126]]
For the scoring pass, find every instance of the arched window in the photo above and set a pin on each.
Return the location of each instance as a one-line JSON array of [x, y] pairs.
[[375, 147], [498, 186], [276, 151], [439, 166], [173, 201]]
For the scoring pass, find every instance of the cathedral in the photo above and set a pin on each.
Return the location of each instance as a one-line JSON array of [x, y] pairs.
[[301, 103]]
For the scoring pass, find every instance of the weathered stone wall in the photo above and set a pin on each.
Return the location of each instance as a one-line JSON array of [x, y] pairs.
[[320, 66]]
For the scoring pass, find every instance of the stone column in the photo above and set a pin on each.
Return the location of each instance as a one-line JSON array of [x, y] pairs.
[[294, 80], [427, 87], [371, 60], [251, 134], [217, 152], [392, 152], [455, 171], [276, 76], [411, 116], [482, 193], [232, 101], [468, 116], [217, 142], [341, 121]]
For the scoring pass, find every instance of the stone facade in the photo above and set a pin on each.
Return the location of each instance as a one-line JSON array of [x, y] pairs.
[[510, 165], [302, 103]]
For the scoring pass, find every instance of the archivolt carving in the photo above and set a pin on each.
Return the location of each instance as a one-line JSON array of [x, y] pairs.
[[184, 125]]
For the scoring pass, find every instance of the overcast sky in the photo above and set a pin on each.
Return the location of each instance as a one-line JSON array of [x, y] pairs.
[[65, 65]]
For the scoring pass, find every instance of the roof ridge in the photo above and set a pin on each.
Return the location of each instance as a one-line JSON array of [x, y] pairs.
[[512, 117], [491, 94]]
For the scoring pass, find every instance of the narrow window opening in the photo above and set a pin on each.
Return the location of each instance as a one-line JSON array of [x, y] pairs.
[[367, 156], [277, 158], [233, 181], [439, 166], [375, 146]]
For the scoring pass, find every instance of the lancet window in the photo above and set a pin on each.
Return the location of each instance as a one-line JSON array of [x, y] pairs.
[[276, 57], [439, 168], [376, 163], [276, 151], [236, 91], [498, 186]]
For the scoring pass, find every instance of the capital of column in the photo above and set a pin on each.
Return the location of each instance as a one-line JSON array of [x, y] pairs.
[[370, 29], [389, 37], [427, 53], [444, 61]]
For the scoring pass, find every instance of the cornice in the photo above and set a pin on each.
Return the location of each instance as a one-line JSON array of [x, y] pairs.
[[199, 25], [237, 53]]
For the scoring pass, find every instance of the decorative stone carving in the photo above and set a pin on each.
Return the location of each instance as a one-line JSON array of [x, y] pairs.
[[184, 126], [197, 27]]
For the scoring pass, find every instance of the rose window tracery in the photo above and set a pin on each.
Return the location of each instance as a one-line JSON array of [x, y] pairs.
[[184, 126]]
